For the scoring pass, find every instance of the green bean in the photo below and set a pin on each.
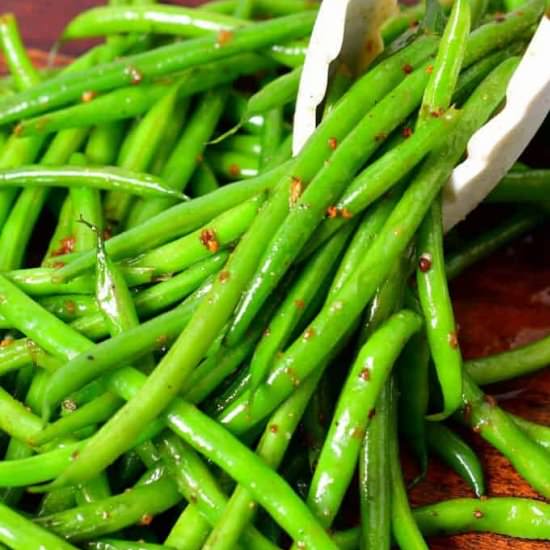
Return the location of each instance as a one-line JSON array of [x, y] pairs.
[[538, 433], [190, 530], [96, 178], [205, 241], [58, 500], [510, 364], [62, 232], [199, 487], [16, 420], [139, 150], [524, 186], [365, 380], [528, 458], [96, 411], [203, 181], [233, 165], [93, 490], [403, 524], [264, 7], [131, 101], [337, 316], [177, 221], [155, 63], [42, 281], [489, 241], [457, 454], [515, 517], [407, 17], [103, 143], [272, 447], [19, 532], [275, 94], [271, 137], [116, 544], [112, 514], [24, 74], [242, 143], [186, 154], [291, 311]]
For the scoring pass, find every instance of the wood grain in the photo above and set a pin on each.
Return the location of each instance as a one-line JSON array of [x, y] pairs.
[[502, 303]]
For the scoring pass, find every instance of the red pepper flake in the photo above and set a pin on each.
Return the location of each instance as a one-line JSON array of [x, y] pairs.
[[300, 304], [58, 265], [332, 143], [70, 307], [296, 188], [273, 428], [332, 212], [209, 240], [413, 24], [365, 374], [380, 137], [407, 68], [146, 520], [7, 341], [490, 400], [478, 514], [234, 170], [66, 246], [18, 130], [407, 132], [135, 75], [309, 333], [425, 262], [453, 339], [437, 112], [88, 95], [430, 69], [224, 37], [346, 214], [224, 276]]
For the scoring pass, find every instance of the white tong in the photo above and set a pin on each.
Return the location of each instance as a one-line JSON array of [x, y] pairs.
[[342, 29]]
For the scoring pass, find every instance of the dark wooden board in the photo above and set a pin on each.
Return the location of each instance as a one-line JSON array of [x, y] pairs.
[[504, 302]]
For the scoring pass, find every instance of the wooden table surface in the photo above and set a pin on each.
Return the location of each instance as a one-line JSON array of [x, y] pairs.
[[504, 302]]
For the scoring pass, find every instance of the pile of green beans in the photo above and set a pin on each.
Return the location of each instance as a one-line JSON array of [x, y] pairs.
[[206, 341]]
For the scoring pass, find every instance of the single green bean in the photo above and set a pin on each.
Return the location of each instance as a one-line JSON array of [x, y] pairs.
[[524, 186], [203, 181], [457, 454], [233, 165]]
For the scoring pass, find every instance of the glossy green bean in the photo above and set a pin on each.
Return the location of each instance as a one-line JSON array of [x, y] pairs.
[[358, 398], [525, 186], [104, 143], [16, 420], [112, 514], [204, 181], [154, 63], [340, 313], [117, 544], [537, 432], [23, 72], [189, 531], [457, 454], [264, 7], [62, 232], [19, 532], [271, 137], [233, 165], [483, 415], [176, 221], [97, 178]]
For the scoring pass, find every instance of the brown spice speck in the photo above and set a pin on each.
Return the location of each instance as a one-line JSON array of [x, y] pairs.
[[346, 214], [58, 265], [70, 307], [146, 520], [224, 276], [273, 428], [380, 137], [430, 69], [332, 212], [224, 37], [209, 240], [309, 333], [161, 341], [372, 414], [7, 341], [453, 339], [407, 68], [75, 455], [234, 170], [478, 514], [333, 143], [499, 17], [467, 413], [357, 433], [490, 400], [300, 304], [425, 262], [18, 130], [296, 188], [436, 113], [87, 96], [66, 246], [365, 374], [407, 132]]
